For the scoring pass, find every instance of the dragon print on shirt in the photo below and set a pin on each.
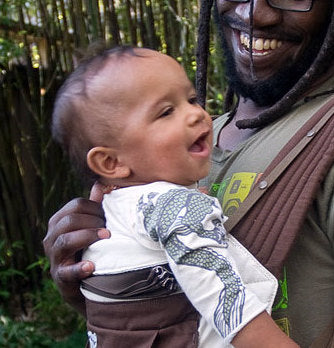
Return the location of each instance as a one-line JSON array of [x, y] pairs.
[[181, 212]]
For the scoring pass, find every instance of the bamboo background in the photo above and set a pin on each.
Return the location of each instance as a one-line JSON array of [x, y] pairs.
[[39, 45]]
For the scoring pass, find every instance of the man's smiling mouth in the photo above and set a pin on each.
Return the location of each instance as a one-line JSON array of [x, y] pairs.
[[261, 46], [263, 43]]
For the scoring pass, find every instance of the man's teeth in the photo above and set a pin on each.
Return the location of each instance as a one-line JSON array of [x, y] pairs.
[[260, 44]]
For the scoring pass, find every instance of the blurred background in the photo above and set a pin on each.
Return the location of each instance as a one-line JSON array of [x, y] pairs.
[[40, 43]]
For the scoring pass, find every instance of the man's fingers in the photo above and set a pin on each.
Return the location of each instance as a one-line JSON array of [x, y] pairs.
[[75, 272], [75, 222], [67, 245], [77, 206], [62, 234], [96, 193], [76, 215]]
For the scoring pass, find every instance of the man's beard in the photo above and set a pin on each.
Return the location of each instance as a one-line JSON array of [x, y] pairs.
[[268, 92]]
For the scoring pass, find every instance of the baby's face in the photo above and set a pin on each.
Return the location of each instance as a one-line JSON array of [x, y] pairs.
[[165, 134]]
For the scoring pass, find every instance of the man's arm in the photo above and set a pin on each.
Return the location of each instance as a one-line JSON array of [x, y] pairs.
[[262, 332], [74, 227]]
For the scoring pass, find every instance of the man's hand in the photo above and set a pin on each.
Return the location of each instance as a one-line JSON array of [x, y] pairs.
[[73, 228]]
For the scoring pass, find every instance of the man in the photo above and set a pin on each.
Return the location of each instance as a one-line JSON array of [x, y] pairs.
[[279, 57]]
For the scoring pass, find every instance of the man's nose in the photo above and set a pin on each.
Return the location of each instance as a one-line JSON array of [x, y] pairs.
[[263, 14]]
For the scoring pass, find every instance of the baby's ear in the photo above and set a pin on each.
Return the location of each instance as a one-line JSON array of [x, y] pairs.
[[104, 162]]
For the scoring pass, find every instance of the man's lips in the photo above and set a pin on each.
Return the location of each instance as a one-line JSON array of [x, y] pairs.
[[274, 33], [263, 41], [260, 45], [267, 52]]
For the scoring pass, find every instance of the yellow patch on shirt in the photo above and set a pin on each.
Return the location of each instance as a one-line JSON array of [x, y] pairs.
[[232, 191]]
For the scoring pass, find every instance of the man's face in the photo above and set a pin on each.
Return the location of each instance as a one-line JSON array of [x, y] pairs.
[[285, 44]]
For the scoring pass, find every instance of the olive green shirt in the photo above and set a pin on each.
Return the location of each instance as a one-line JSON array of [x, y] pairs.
[[305, 301]]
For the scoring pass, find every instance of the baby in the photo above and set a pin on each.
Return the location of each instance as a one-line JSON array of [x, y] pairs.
[[170, 276]]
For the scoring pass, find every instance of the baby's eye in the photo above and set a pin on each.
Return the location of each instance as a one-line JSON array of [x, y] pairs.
[[193, 100], [167, 112]]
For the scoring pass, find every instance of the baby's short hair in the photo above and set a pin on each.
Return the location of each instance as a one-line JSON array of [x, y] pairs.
[[69, 118]]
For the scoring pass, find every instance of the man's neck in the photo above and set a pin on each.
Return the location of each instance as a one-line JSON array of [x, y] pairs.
[[247, 109], [231, 136]]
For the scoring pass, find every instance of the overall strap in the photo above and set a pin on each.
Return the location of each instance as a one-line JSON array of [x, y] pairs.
[[269, 220]]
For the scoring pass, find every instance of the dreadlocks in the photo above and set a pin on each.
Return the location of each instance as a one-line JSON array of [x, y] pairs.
[[322, 62], [203, 50]]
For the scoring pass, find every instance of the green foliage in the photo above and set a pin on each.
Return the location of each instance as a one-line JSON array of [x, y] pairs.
[[51, 313], [17, 334], [7, 271], [77, 339], [46, 322], [9, 50]]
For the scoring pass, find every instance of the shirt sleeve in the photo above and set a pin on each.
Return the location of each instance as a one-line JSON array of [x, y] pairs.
[[224, 282]]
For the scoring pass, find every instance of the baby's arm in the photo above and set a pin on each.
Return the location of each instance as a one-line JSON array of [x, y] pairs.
[[222, 280]]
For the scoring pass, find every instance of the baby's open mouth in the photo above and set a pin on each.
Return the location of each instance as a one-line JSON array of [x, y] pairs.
[[200, 144]]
